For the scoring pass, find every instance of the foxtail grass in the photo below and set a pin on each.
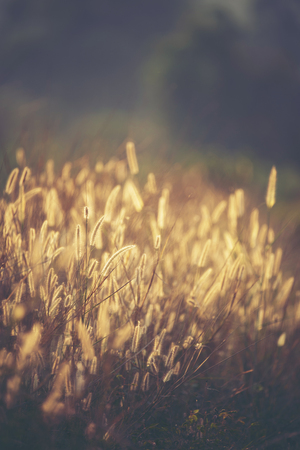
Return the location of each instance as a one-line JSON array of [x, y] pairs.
[[171, 300]]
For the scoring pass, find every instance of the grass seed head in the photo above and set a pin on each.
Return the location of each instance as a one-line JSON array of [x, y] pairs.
[[86, 213], [131, 158], [12, 181], [96, 230], [271, 190], [25, 176]]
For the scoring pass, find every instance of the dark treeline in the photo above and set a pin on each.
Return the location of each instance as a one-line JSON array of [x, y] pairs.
[[213, 73], [236, 84]]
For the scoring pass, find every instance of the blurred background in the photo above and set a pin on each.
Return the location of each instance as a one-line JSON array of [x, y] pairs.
[[188, 79]]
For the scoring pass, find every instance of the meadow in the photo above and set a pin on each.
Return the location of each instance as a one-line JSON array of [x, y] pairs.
[[162, 314]]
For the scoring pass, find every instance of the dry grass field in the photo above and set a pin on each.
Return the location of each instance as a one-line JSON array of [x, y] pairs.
[[164, 315]]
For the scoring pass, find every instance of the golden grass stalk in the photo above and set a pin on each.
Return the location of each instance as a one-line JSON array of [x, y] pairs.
[[78, 242], [31, 284], [92, 268], [54, 305], [22, 204], [131, 158], [82, 176], [65, 173], [111, 203], [159, 342], [161, 213], [240, 202], [271, 236], [43, 232], [136, 338], [93, 368], [43, 293], [235, 266], [96, 229], [114, 256], [151, 358], [57, 292], [171, 321], [86, 214], [55, 365], [211, 294], [148, 317], [176, 369], [224, 279], [151, 183], [135, 196], [146, 382], [50, 207], [46, 245], [253, 227], [99, 167], [50, 172], [135, 382], [218, 211], [205, 223], [167, 376], [109, 432], [25, 176], [232, 214], [171, 356], [269, 266], [19, 292], [86, 402], [262, 235], [67, 301], [203, 257], [271, 190], [12, 181], [56, 253], [157, 242], [31, 240], [32, 193], [50, 277], [138, 277]]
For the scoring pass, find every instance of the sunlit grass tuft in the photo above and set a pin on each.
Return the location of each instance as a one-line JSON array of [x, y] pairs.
[[151, 298]]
